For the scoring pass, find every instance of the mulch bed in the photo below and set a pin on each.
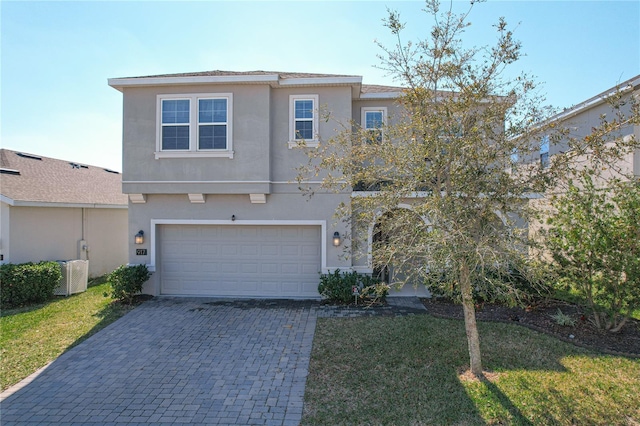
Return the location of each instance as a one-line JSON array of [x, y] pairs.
[[625, 342]]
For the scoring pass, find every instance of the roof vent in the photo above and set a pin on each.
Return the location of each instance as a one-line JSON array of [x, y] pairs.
[[9, 171], [111, 171], [78, 166], [33, 157]]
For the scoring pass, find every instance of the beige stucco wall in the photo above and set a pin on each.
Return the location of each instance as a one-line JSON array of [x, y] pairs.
[[54, 233], [582, 122], [107, 237], [251, 109], [260, 140], [263, 163], [290, 208]]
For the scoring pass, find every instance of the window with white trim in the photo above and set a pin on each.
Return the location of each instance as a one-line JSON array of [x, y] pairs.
[[303, 120], [194, 125], [373, 121]]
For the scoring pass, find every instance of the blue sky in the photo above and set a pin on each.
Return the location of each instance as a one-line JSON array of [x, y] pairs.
[[56, 57]]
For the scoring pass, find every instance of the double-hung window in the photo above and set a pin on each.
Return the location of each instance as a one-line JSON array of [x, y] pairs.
[[212, 123], [194, 125], [373, 120], [303, 120], [175, 124], [544, 152]]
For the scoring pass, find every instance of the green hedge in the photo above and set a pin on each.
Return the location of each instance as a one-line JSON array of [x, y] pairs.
[[26, 283], [127, 281], [338, 286]]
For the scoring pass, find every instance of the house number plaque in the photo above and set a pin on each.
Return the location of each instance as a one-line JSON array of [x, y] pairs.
[[141, 252]]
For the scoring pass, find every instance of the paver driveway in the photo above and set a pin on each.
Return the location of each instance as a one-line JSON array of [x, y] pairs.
[[197, 361]]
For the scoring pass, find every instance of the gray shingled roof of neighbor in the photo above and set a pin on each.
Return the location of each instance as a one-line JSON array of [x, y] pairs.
[[29, 179]]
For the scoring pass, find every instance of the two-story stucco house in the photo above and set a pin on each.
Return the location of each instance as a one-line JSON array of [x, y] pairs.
[[580, 120], [209, 168]]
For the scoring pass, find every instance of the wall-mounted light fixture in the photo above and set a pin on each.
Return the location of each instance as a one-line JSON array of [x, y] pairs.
[[233, 218], [336, 239], [139, 237]]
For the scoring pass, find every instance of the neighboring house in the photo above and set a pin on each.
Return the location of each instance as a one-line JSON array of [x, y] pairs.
[[59, 210], [580, 120], [210, 171]]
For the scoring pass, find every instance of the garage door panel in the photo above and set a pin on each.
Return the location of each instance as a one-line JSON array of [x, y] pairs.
[[249, 268], [237, 260], [210, 267], [290, 268], [310, 269], [248, 250], [228, 232], [310, 251], [270, 250], [210, 249]]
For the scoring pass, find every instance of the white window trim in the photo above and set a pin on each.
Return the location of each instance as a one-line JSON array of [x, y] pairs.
[[293, 142], [193, 150], [363, 121]]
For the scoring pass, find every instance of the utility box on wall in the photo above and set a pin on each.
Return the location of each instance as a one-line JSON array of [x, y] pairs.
[[75, 275]]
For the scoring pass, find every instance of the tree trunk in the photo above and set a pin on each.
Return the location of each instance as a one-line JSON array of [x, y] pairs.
[[473, 338]]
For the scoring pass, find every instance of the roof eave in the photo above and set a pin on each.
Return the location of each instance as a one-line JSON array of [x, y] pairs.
[[121, 83], [380, 95], [272, 79], [27, 203]]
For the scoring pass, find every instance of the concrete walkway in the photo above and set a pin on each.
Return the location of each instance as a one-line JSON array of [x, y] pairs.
[[193, 361]]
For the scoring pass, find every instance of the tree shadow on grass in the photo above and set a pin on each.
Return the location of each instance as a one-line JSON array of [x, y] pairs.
[[517, 418], [405, 371]]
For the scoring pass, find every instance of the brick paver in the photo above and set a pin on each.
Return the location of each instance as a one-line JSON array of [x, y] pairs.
[[175, 360], [179, 360]]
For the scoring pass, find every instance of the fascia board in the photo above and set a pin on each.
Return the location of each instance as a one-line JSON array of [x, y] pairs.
[[19, 203], [120, 83], [381, 95], [7, 200], [595, 101]]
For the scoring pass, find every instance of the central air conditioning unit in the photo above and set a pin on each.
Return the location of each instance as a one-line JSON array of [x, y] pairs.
[[75, 275]]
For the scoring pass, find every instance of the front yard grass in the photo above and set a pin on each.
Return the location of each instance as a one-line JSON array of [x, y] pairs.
[[379, 371], [33, 336]]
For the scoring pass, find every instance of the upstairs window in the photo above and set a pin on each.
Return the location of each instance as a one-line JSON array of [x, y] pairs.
[[373, 120], [175, 124], [194, 125], [544, 152], [303, 120], [212, 123]]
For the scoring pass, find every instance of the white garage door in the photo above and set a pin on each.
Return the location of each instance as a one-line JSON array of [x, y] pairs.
[[240, 260]]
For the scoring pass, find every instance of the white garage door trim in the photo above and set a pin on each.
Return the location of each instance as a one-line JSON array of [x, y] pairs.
[[321, 223]]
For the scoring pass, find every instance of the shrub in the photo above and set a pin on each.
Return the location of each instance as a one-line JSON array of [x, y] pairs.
[[374, 291], [127, 281], [338, 286], [28, 283], [511, 284], [594, 238], [563, 319]]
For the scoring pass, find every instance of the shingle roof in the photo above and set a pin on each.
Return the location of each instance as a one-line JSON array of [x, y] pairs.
[[36, 179], [375, 88]]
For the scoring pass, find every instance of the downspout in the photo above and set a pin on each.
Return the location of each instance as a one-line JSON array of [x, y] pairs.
[[83, 249]]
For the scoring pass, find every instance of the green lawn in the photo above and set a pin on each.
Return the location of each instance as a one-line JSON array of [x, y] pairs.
[[392, 371], [405, 371], [33, 336]]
